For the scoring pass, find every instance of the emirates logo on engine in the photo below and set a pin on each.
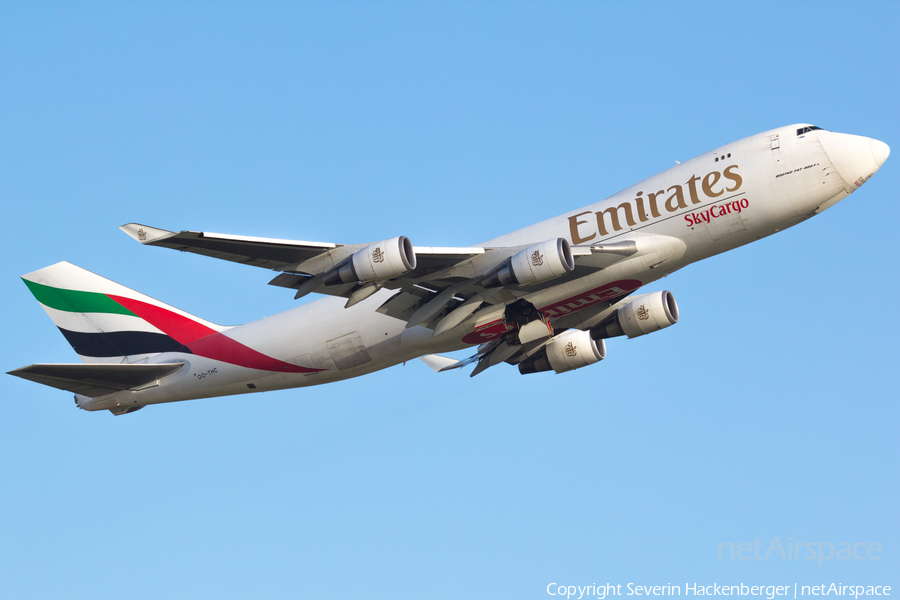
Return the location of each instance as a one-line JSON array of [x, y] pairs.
[[571, 349], [537, 259], [642, 313], [377, 255]]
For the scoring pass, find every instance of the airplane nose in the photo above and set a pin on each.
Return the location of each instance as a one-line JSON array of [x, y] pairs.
[[880, 151], [856, 158]]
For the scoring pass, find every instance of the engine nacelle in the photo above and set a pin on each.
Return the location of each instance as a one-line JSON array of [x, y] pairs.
[[378, 262], [567, 351], [644, 315], [536, 264]]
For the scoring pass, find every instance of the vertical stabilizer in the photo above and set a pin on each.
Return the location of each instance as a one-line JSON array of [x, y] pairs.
[[107, 322]]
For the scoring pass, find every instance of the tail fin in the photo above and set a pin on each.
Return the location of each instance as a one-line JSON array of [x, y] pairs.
[[106, 322]]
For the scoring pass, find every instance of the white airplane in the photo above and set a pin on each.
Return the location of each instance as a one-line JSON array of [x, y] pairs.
[[544, 298]]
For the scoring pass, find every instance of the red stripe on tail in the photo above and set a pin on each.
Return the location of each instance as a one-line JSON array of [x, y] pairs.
[[206, 342]]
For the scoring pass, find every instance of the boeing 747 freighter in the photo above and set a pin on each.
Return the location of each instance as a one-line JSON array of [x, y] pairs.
[[544, 298]]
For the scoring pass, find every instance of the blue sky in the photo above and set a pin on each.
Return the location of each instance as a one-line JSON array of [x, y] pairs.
[[769, 411]]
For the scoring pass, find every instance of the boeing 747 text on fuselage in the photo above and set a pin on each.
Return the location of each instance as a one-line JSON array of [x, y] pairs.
[[543, 298]]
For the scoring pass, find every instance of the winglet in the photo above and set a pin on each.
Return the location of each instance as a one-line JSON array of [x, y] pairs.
[[440, 363], [144, 233]]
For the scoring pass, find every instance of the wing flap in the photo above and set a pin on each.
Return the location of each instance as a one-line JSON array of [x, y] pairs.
[[95, 379]]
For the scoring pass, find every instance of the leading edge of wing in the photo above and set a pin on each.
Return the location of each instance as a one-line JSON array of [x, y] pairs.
[[268, 253], [153, 236]]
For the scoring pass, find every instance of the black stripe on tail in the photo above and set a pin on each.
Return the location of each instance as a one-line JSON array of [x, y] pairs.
[[122, 343]]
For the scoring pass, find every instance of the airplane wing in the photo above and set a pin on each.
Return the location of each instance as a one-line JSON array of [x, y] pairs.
[[436, 287], [95, 379], [488, 355], [499, 350], [300, 258]]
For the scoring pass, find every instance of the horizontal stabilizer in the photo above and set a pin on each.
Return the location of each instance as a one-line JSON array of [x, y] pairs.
[[95, 379]]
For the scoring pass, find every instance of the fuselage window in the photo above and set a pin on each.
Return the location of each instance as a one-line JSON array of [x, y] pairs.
[[807, 129]]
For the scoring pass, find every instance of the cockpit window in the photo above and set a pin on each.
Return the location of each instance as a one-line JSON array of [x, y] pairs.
[[807, 129]]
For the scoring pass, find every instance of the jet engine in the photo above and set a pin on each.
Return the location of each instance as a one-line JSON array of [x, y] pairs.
[[641, 316], [567, 351], [377, 262], [536, 264]]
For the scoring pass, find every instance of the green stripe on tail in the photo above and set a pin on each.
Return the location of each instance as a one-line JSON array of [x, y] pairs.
[[75, 301]]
